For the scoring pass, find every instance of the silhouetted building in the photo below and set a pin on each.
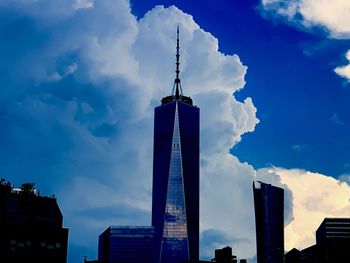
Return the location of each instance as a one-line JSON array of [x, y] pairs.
[[196, 261], [311, 254], [333, 240], [223, 255], [332, 243], [126, 244], [269, 222], [30, 227], [175, 197], [293, 256], [334, 230], [93, 261]]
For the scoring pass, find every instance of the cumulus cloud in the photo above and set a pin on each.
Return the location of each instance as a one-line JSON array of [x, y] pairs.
[[78, 115], [83, 4], [315, 196], [344, 71], [76, 112], [56, 76], [333, 17], [269, 176]]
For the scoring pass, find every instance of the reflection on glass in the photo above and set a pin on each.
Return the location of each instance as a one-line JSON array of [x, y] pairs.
[[174, 247]]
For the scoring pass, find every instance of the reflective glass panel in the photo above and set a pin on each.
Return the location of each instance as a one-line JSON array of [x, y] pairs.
[[174, 246]]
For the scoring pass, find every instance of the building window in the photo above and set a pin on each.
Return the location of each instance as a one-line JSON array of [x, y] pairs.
[[58, 245], [28, 243], [43, 244], [12, 242]]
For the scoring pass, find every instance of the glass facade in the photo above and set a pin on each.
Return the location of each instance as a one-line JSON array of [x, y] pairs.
[[269, 222], [126, 244], [175, 197], [174, 244]]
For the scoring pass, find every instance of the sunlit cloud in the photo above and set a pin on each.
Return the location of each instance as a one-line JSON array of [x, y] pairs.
[[315, 196], [344, 71], [332, 17]]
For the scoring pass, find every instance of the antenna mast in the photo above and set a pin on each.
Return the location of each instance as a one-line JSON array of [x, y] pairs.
[[178, 90]]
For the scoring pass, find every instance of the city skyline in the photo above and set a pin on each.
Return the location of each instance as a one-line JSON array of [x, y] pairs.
[[80, 81]]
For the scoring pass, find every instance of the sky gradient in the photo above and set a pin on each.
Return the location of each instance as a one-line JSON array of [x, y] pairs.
[[80, 79]]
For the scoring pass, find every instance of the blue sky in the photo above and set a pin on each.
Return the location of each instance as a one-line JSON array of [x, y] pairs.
[[302, 103], [80, 78]]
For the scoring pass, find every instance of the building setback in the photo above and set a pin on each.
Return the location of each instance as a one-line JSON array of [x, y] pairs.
[[269, 223], [126, 244], [30, 228], [175, 196]]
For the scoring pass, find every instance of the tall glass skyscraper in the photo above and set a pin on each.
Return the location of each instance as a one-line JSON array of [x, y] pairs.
[[175, 198], [269, 222]]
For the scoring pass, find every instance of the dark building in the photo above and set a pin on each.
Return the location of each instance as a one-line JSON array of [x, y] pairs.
[[93, 261], [175, 197], [333, 240], [223, 255], [332, 243], [293, 256], [30, 227], [195, 261], [333, 230], [126, 244], [311, 255], [269, 223]]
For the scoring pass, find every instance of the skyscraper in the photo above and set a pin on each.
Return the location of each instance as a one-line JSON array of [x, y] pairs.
[[269, 222], [175, 197]]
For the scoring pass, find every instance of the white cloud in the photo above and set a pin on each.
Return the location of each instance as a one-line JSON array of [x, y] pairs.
[[269, 176], [315, 196], [101, 127], [56, 76], [227, 200], [334, 16], [344, 71], [82, 4], [125, 67]]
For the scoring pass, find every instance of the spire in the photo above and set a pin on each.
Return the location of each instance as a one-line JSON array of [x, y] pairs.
[[177, 80], [177, 89]]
